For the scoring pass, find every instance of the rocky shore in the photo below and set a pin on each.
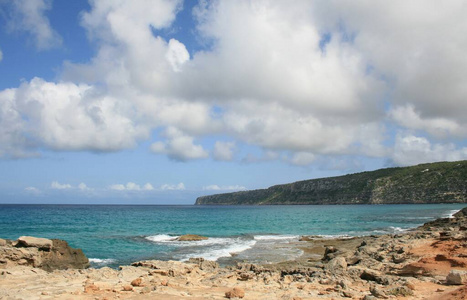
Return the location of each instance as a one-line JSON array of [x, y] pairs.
[[427, 263]]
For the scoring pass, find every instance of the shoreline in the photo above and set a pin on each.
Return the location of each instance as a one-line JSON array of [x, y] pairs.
[[421, 263]]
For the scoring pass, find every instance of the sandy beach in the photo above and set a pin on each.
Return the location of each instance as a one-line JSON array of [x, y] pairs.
[[429, 262]]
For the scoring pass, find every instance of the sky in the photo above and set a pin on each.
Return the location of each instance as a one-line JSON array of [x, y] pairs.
[[159, 102]]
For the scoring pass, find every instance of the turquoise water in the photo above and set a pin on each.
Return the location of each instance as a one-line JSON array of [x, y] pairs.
[[118, 235]]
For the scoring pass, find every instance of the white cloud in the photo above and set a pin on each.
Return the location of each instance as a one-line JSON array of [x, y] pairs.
[[32, 190], [131, 186], [177, 55], [215, 187], [29, 16], [440, 127], [173, 187], [57, 186], [66, 116], [411, 150], [83, 187], [223, 151], [117, 187], [148, 187], [179, 146], [302, 158], [269, 79]]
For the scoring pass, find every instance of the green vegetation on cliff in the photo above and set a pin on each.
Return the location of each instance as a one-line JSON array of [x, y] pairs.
[[442, 182]]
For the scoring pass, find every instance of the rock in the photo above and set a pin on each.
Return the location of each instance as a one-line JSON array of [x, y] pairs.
[[29, 241], [329, 253], [403, 291], [378, 293], [165, 282], [127, 288], [62, 256], [2, 242], [137, 282], [236, 292], [348, 294], [456, 277], [205, 265], [90, 288], [30, 251], [337, 264], [191, 237]]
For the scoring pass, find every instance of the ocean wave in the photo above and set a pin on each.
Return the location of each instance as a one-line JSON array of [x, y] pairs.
[[229, 249], [161, 238], [102, 261], [275, 237], [451, 213]]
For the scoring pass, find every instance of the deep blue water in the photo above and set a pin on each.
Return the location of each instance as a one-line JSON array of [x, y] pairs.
[[117, 235]]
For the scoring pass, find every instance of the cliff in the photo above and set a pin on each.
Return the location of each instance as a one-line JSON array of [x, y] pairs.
[[442, 182]]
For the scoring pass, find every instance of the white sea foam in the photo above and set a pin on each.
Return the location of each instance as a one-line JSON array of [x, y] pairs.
[[102, 261], [397, 229], [275, 237], [161, 238], [233, 246], [451, 213]]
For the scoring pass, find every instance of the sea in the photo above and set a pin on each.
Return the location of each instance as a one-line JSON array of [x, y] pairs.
[[115, 235]]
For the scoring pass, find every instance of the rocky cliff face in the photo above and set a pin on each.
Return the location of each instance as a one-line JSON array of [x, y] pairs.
[[444, 182]]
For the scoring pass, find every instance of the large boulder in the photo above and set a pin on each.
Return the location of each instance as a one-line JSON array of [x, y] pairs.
[[456, 277], [41, 253], [62, 256]]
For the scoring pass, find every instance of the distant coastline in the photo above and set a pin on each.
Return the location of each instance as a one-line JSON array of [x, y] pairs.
[[441, 182]]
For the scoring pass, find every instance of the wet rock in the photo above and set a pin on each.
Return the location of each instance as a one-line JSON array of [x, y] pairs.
[[236, 292], [456, 277], [191, 237]]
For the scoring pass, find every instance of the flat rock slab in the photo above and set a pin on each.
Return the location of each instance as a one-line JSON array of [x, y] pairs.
[[191, 237], [29, 241]]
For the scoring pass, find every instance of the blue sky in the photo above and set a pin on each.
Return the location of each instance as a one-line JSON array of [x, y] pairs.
[[159, 102]]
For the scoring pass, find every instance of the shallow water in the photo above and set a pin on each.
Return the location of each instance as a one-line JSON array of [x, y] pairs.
[[117, 235]]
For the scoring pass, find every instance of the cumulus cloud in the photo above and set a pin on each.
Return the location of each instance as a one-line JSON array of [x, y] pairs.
[[29, 16], [179, 146], [83, 187], [173, 187], [410, 149], [407, 117], [224, 151], [310, 79], [66, 116], [215, 187], [177, 54], [131, 186], [57, 186]]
